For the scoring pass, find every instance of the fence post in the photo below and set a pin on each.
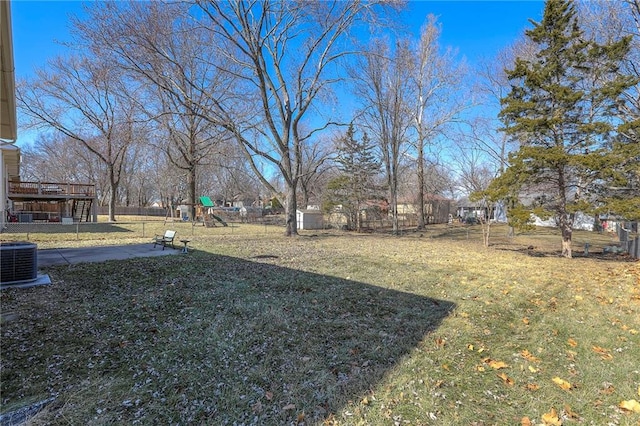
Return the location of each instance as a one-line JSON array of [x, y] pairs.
[[78, 231], [634, 248]]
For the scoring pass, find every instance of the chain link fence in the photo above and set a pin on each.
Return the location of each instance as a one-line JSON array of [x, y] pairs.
[[136, 229]]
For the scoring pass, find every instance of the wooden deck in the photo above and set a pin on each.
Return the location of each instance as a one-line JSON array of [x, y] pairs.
[[50, 190]]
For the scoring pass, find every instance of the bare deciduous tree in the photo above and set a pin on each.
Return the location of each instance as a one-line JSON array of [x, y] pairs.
[[285, 54], [173, 60], [316, 162], [383, 87], [437, 97], [82, 97]]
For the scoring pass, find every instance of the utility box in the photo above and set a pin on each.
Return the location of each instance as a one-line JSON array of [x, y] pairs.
[[25, 217]]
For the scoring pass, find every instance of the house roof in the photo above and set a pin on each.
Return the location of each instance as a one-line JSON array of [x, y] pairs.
[[8, 123]]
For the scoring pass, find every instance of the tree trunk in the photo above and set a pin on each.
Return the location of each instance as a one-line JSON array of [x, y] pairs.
[[567, 230], [394, 210], [290, 212], [305, 195], [487, 234], [113, 197], [191, 177], [486, 226], [421, 221]]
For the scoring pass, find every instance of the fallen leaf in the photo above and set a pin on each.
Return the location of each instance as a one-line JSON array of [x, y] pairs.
[[562, 383], [269, 395], [532, 387], [529, 356], [480, 368], [365, 401], [604, 353], [551, 418], [440, 341], [533, 369], [572, 343], [496, 365], [506, 379], [525, 422], [630, 405], [300, 418], [445, 366], [570, 413], [470, 347], [525, 320], [289, 407]]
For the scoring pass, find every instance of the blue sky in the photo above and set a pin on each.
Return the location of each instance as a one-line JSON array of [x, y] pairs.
[[476, 28]]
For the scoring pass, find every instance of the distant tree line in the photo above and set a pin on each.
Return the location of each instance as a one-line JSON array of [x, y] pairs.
[[165, 101]]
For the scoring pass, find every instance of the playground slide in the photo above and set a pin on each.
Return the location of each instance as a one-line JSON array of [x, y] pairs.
[[219, 219]]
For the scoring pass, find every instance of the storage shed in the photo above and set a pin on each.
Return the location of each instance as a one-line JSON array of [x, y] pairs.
[[309, 219]]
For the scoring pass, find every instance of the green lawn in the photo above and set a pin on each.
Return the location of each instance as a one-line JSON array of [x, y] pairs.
[[332, 328]]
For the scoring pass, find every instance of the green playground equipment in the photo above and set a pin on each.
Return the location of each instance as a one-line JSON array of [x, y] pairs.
[[207, 203]]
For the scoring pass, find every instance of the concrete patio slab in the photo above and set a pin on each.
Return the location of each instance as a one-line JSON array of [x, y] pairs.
[[68, 256]]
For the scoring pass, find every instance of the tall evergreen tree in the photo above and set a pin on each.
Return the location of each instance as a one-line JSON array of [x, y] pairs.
[[561, 109], [358, 165]]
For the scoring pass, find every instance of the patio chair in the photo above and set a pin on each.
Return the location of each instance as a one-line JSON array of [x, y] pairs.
[[165, 239]]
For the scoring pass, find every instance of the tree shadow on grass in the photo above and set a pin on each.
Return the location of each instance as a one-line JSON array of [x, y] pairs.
[[206, 338], [58, 228]]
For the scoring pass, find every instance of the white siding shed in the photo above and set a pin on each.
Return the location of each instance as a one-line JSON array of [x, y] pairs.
[[309, 219]]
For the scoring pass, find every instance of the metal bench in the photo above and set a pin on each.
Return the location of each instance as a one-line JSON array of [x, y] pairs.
[[165, 239]]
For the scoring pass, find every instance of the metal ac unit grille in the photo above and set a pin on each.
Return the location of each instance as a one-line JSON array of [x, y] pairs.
[[18, 262]]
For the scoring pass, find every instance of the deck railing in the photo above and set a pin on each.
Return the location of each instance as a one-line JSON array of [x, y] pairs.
[[52, 188]]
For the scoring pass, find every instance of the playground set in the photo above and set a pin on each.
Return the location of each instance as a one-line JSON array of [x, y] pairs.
[[204, 213]]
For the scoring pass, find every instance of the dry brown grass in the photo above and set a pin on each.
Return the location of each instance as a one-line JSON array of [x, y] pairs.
[[332, 328]]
